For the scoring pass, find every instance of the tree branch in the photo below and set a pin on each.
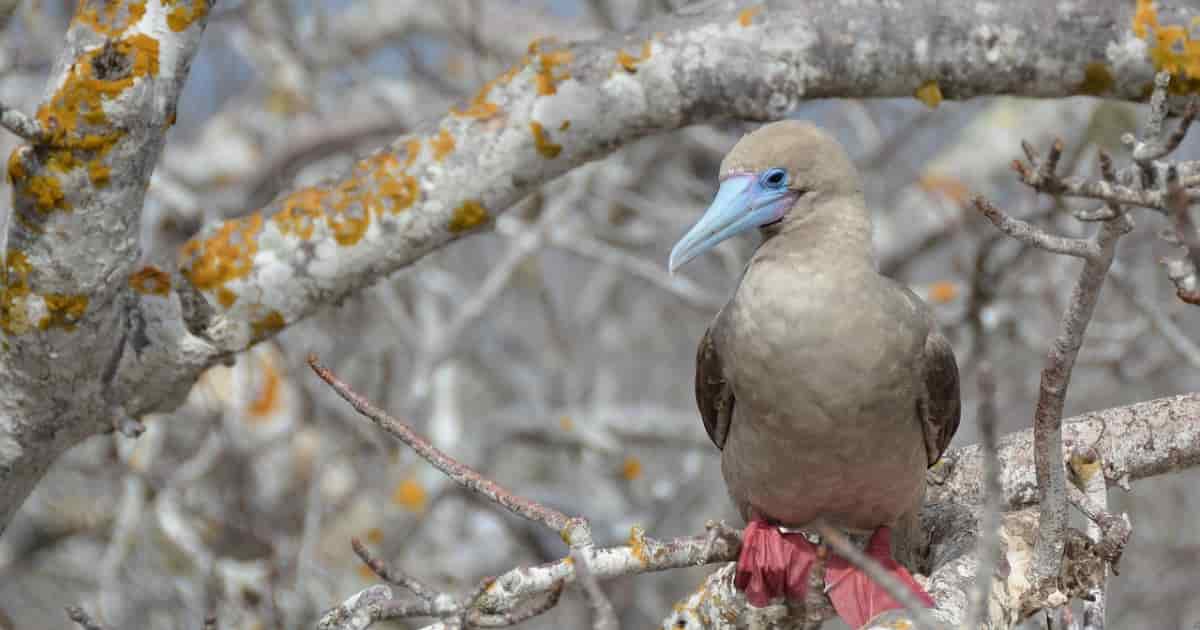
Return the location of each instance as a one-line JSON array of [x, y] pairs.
[[559, 107], [72, 238]]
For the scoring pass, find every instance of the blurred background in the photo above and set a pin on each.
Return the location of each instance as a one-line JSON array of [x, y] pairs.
[[555, 353]]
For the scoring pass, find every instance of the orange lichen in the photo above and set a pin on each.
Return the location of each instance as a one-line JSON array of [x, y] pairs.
[[16, 166], [225, 297], [410, 495], [150, 280], [270, 323], [929, 93], [99, 173], [374, 535], [412, 150], [225, 255], [746, 16], [63, 311], [269, 393], [943, 292], [101, 73], [637, 544], [629, 62], [300, 211], [631, 468], [62, 161], [402, 189], [1171, 47], [468, 215], [443, 144], [181, 17], [536, 45], [546, 79], [14, 290], [566, 423], [47, 193], [541, 141], [479, 106], [349, 215], [566, 124], [107, 24]]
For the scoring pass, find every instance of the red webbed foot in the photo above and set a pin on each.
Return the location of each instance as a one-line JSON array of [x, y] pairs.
[[772, 564], [856, 597]]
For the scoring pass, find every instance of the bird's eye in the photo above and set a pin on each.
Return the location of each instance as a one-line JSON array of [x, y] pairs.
[[774, 178]]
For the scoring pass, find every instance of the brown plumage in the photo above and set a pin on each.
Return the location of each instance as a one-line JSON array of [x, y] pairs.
[[828, 387]]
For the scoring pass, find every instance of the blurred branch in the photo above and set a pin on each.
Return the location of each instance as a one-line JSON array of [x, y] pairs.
[[990, 545], [334, 137], [498, 602]]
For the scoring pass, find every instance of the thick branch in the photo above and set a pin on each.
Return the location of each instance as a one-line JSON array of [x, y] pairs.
[[66, 306]]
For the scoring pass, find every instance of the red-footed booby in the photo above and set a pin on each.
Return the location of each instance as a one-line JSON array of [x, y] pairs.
[[827, 387]]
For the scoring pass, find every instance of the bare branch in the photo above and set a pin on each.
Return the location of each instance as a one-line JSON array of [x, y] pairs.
[[1151, 146], [459, 473], [1033, 236], [1056, 376], [391, 575], [1179, 207]]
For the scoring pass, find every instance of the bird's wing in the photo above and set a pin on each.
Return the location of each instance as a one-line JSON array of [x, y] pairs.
[[714, 395], [940, 413]]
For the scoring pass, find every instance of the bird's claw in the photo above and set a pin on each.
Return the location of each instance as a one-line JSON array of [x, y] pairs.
[[773, 564]]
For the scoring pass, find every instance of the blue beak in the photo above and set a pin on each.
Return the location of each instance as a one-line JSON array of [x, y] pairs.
[[741, 204]]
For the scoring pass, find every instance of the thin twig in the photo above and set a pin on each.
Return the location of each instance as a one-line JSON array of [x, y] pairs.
[[512, 618], [1154, 145], [389, 574], [846, 549], [1034, 236], [460, 473], [1179, 207], [990, 545]]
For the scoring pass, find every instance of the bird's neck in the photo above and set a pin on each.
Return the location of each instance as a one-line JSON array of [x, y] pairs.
[[836, 231]]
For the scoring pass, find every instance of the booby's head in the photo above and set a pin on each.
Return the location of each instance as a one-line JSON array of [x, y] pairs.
[[772, 176]]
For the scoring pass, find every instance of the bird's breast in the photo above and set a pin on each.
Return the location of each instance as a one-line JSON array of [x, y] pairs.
[[825, 378]]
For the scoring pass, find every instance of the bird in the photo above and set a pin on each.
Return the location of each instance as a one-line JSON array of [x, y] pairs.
[[828, 388]]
